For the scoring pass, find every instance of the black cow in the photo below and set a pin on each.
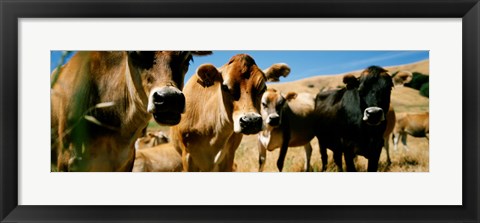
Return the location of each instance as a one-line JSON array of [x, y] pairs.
[[352, 120]]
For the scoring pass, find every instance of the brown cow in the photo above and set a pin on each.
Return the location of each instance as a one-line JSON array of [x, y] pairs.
[[103, 100], [223, 104], [288, 123], [416, 125], [151, 139], [281, 70], [160, 158]]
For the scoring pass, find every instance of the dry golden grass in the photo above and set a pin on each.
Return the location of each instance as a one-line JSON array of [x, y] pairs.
[[403, 100]]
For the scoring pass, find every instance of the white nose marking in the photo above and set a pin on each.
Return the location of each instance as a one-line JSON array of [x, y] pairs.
[[370, 110]]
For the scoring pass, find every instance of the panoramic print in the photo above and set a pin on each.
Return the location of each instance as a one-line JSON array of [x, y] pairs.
[[240, 111]]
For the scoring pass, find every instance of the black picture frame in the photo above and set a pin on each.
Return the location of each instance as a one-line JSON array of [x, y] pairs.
[[11, 11]]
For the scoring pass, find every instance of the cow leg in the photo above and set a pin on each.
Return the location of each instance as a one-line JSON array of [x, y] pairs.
[[262, 156], [404, 140], [185, 157], [324, 156], [373, 158], [348, 153], [308, 154], [191, 167], [395, 137], [283, 152], [386, 145], [224, 163], [337, 157]]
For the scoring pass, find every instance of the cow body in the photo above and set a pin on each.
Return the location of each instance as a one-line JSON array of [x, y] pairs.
[[416, 125], [160, 158], [289, 122], [151, 139], [352, 120], [223, 104], [103, 100]]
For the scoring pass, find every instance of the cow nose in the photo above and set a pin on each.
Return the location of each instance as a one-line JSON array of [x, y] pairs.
[[167, 101], [251, 124], [373, 115], [273, 120]]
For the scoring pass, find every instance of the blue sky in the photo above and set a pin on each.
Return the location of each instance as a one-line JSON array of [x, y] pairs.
[[304, 63]]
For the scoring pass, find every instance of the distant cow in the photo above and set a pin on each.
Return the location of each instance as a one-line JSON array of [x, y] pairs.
[[103, 100], [280, 70], [223, 104], [351, 120], [402, 77], [151, 139], [416, 125], [288, 123], [160, 158]]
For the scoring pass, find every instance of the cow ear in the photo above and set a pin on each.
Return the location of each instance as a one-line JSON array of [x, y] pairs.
[[207, 75], [402, 77], [274, 72], [351, 81], [290, 96], [201, 53]]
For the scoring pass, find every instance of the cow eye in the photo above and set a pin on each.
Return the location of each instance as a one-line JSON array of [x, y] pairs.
[[262, 90], [225, 88], [264, 104]]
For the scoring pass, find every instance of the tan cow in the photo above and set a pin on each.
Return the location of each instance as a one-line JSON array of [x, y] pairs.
[[223, 104], [103, 100], [160, 158], [151, 139], [402, 77], [289, 122], [414, 124]]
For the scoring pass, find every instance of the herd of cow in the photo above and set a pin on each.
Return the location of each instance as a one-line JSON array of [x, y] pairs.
[[102, 102]]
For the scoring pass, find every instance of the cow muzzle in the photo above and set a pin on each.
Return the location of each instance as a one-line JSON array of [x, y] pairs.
[[250, 123], [373, 115], [166, 104], [273, 120]]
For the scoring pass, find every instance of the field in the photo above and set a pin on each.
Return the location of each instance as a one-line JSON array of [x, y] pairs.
[[404, 99]]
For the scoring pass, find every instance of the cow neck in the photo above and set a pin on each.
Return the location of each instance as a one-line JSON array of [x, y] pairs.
[[135, 92], [136, 102], [351, 105], [225, 111]]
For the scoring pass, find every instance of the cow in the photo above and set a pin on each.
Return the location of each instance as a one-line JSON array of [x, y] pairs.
[[352, 120], [288, 122], [414, 124], [160, 158], [151, 139], [402, 77], [102, 100], [281, 70], [223, 104]]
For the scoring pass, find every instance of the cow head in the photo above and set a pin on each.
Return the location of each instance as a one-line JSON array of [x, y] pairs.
[[402, 77], [374, 87], [273, 103], [276, 71], [151, 139], [161, 74], [241, 84]]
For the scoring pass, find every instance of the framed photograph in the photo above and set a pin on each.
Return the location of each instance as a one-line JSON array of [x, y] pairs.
[[416, 42]]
